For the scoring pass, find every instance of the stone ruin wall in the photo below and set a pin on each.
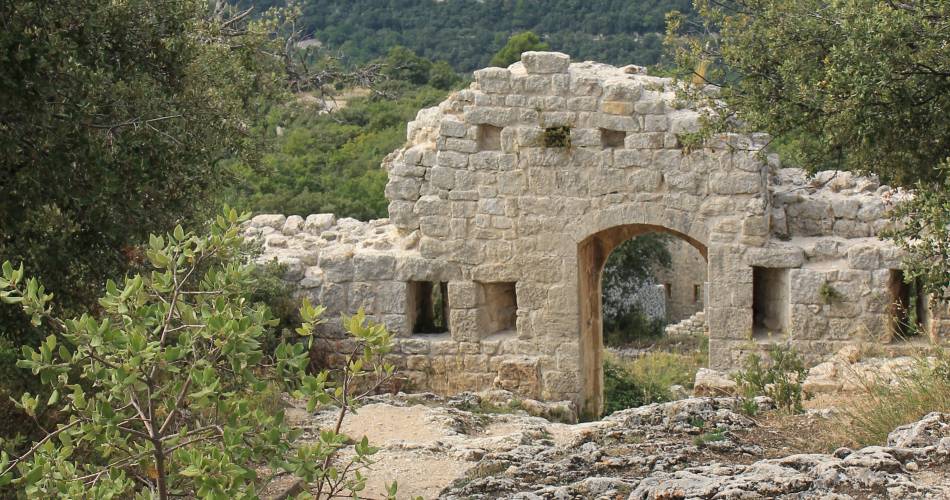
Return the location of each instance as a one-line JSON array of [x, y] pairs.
[[490, 204]]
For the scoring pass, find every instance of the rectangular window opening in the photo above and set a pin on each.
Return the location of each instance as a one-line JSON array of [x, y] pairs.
[[489, 138], [770, 301], [612, 138], [498, 308], [428, 307], [908, 308], [697, 293]]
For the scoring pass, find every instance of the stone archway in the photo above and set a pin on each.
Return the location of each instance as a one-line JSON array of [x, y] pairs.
[[592, 254]]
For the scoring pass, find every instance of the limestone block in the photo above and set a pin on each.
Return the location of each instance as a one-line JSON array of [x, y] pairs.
[[414, 346], [401, 214], [622, 89], [560, 384], [292, 225], [391, 297], [655, 123], [713, 383], [846, 208], [318, 223], [644, 180], [779, 222], [463, 294], [585, 85], [804, 286], [293, 268], [775, 256], [645, 140], [650, 106], [625, 158], [684, 121], [847, 228], [275, 241], [615, 122], [871, 210], [865, 256], [622, 108], [735, 183], [403, 188], [491, 206], [312, 278], [460, 145], [337, 263], [275, 221], [493, 80], [449, 127], [493, 160], [333, 296], [373, 266], [496, 116], [442, 177], [463, 323], [558, 118], [806, 323], [585, 137], [407, 170], [431, 205], [452, 159], [434, 226], [582, 103], [520, 375], [545, 62]]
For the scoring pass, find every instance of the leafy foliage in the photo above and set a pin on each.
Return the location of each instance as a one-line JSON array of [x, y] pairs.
[[860, 85], [330, 162], [466, 33], [623, 390], [113, 119], [780, 378], [518, 43], [161, 392], [632, 325], [629, 267], [924, 234]]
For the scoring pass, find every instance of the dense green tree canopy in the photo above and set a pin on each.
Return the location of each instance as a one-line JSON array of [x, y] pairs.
[[862, 85], [330, 162], [467, 32], [113, 119], [511, 52]]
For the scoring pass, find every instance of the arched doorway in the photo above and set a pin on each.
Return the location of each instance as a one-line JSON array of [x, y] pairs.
[[592, 254]]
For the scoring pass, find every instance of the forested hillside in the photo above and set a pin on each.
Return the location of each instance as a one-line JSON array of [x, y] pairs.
[[467, 32]]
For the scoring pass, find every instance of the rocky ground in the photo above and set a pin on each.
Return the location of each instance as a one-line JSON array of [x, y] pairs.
[[488, 446]]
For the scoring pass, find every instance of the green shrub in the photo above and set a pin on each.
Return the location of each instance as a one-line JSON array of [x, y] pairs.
[[709, 437], [780, 378], [162, 392], [622, 389], [557, 137], [631, 326]]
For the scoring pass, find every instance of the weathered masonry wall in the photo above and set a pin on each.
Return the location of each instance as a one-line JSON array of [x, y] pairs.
[[511, 194]]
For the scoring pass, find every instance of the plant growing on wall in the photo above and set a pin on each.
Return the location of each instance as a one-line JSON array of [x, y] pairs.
[[160, 393], [829, 293], [557, 137]]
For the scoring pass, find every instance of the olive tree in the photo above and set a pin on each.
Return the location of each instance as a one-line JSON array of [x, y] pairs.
[[159, 393], [861, 85]]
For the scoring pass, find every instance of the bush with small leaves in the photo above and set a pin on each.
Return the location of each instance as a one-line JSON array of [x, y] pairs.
[[780, 378], [162, 390]]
